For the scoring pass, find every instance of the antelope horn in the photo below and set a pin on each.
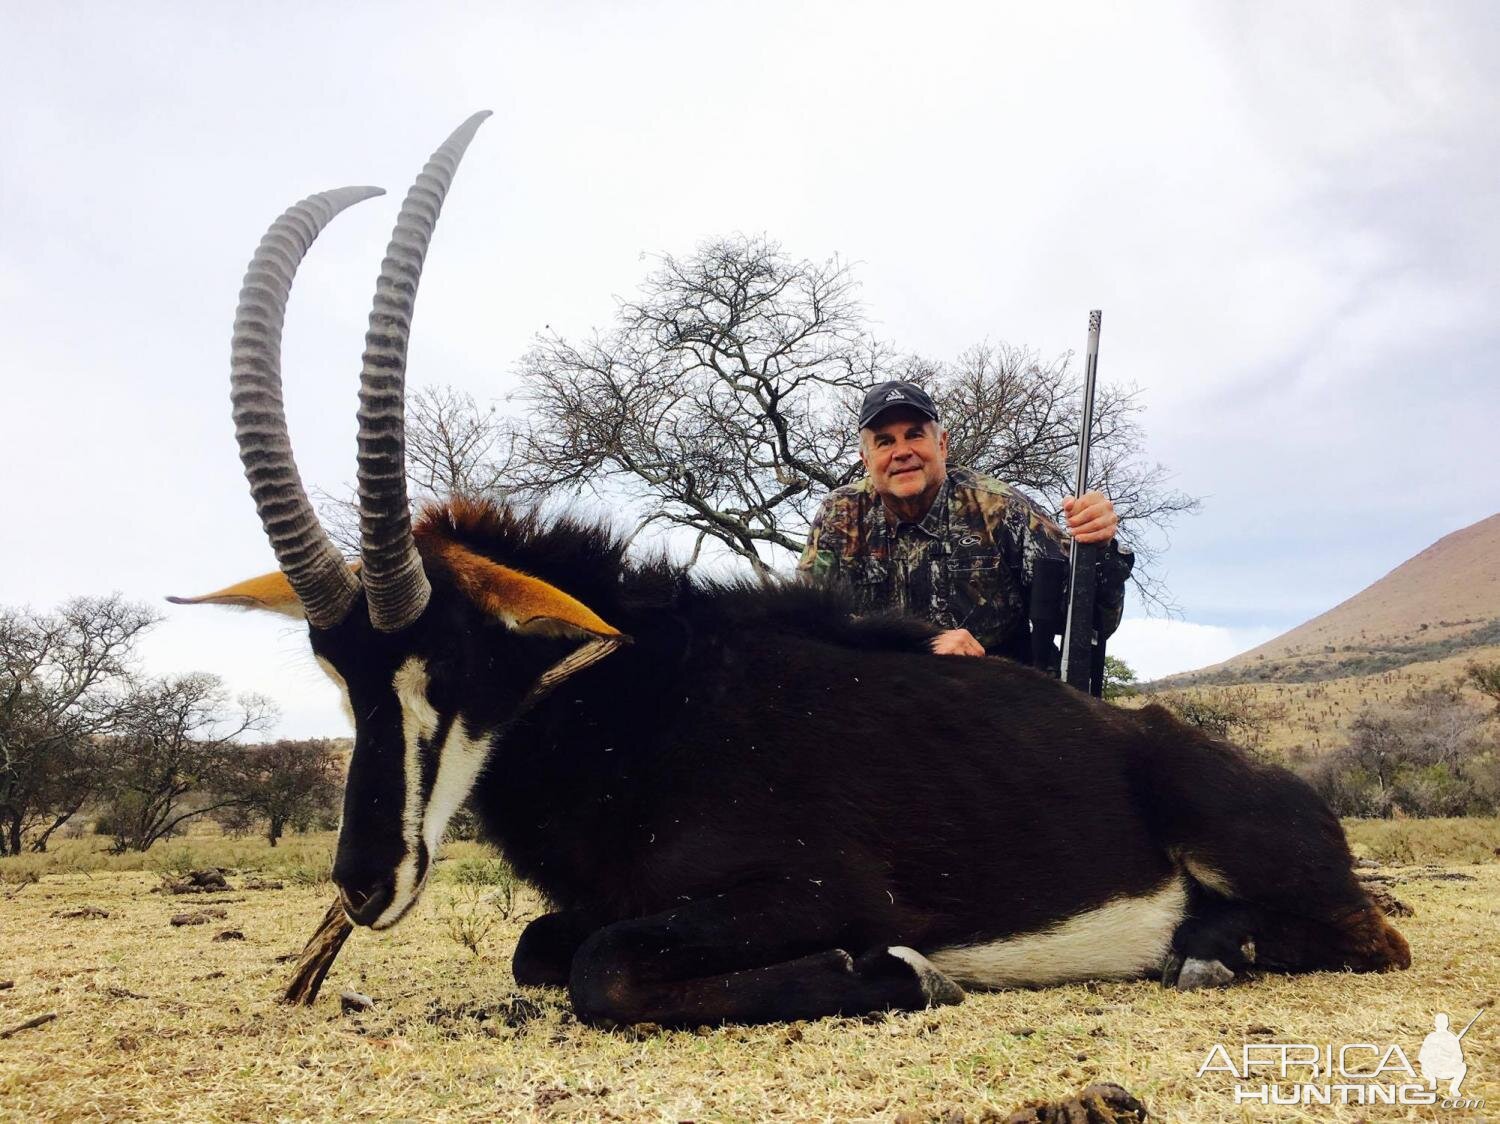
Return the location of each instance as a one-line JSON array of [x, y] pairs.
[[396, 586], [316, 570]]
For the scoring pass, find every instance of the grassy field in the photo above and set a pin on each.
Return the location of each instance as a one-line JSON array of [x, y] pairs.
[[1316, 715], [156, 1022]]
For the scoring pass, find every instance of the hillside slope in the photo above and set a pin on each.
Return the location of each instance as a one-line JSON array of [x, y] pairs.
[[1417, 628], [1440, 602]]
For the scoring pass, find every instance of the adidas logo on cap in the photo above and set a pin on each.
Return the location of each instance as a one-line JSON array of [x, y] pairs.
[[890, 394]]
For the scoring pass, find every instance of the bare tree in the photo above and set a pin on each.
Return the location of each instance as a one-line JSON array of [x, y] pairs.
[[454, 447], [1233, 713], [1018, 417], [720, 400], [286, 783], [63, 679], [176, 739], [723, 402]]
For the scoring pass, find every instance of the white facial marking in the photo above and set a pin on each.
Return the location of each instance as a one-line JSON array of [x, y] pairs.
[[458, 767], [460, 758], [1121, 939], [338, 680], [419, 723]]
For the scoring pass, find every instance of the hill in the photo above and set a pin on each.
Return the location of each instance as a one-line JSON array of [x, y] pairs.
[[1418, 626], [1440, 602]]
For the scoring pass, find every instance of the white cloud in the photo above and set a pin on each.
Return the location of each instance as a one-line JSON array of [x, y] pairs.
[[1154, 647]]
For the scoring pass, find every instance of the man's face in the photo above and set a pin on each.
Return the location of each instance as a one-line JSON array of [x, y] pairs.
[[906, 455]]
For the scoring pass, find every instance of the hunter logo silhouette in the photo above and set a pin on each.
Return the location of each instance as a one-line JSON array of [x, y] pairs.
[[1441, 1057]]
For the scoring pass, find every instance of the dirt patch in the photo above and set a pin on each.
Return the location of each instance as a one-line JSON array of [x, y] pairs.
[[81, 913], [514, 1011], [199, 917], [209, 880], [1104, 1103]]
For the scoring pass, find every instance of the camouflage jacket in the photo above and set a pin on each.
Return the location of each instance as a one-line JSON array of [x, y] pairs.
[[967, 564]]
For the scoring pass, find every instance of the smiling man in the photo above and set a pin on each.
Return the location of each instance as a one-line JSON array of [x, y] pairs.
[[945, 542]]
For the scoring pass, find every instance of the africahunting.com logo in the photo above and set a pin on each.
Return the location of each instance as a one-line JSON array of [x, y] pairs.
[[1354, 1073]]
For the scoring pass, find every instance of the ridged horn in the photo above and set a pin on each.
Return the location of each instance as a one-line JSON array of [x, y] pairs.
[[316, 570], [396, 586]]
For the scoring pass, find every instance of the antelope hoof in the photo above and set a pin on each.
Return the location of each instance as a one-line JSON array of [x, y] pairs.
[[1197, 974]]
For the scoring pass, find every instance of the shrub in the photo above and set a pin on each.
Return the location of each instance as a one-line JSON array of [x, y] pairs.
[[469, 919], [464, 826], [301, 874], [1431, 755]]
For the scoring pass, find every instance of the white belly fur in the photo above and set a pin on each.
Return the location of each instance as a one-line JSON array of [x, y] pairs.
[[1122, 939]]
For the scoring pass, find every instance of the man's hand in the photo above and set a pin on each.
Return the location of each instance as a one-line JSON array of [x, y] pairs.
[[1091, 517], [956, 642]]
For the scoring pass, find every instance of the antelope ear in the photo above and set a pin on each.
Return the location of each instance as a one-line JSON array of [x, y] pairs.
[[270, 593], [524, 603]]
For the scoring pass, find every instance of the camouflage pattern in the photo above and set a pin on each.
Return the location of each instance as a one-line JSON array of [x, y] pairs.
[[967, 564]]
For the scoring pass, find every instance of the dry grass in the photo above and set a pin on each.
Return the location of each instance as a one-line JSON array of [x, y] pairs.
[[1316, 716], [163, 1023]]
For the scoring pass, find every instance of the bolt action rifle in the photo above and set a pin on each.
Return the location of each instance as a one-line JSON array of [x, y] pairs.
[[1064, 594]]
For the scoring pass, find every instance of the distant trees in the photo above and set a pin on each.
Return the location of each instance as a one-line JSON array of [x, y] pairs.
[[288, 783], [65, 689], [454, 447], [1485, 678], [174, 756], [1119, 679], [81, 728], [1232, 713]]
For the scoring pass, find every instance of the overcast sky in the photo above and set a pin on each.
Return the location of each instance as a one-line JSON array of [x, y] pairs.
[[1288, 213]]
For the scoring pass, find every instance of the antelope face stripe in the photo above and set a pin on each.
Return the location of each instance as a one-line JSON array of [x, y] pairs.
[[440, 763]]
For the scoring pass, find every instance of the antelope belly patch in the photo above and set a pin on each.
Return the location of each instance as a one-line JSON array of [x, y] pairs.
[[1122, 939]]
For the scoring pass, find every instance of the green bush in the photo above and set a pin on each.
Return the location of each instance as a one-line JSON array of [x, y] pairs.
[[1435, 790]]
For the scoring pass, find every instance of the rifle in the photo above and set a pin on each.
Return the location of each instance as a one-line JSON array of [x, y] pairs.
[[1082, 658], [1472, 1021], [1082, 647]]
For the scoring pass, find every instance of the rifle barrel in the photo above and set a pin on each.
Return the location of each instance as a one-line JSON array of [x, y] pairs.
[[1472, 1021], [1078, 631]]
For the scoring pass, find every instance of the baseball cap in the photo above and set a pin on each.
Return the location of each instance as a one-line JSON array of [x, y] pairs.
[[888, 395]]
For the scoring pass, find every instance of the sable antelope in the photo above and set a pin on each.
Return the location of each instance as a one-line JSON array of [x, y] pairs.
[[746, 804]]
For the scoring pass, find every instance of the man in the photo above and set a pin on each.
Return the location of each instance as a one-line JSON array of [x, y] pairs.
[[946, 543]]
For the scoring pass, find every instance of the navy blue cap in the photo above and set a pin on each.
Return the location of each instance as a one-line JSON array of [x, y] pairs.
[[888, 395]]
